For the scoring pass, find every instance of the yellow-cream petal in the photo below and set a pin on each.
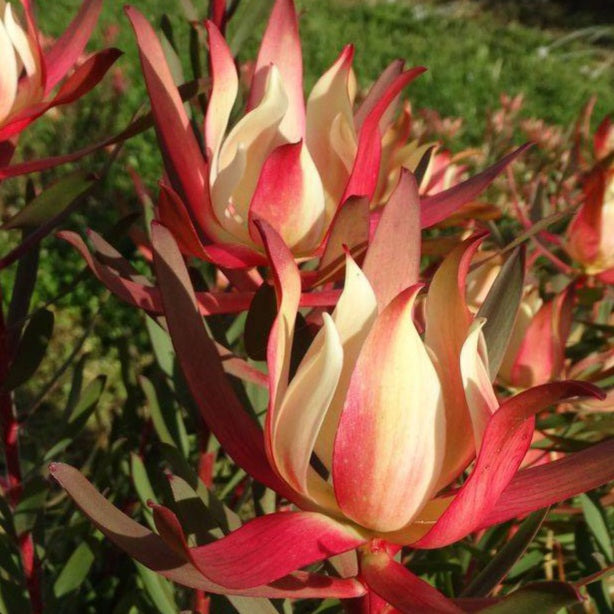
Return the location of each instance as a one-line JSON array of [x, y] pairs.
[[354, 315], [390, 441]]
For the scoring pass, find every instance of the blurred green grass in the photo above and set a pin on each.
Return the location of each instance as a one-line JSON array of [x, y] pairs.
[[473, 54]]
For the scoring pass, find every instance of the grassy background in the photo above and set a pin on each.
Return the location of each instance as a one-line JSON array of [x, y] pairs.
[[474, 51]]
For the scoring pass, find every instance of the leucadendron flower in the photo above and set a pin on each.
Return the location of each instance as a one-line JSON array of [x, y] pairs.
[[30, 75], [590, 240], [288, 161], [366, 440]]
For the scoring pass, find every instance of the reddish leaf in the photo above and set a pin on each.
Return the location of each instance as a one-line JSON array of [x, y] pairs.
[[263, 550], [505, 443], [400, 588], [153, 552], [537, 487], [183, 158], [437, 208], [217, 10], [68, 48], [41, 164], [365, 173], [86, 76], [393, 70], [238, 433]]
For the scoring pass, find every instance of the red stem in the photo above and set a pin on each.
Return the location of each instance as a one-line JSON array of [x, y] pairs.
[[202, 603], [9, 430]]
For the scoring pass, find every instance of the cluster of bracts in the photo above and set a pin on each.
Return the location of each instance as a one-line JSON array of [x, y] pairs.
[[410, 340]]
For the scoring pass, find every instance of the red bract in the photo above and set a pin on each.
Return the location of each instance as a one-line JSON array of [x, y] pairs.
[[536, 352], [30, 75], [393, 420], [589, 239]]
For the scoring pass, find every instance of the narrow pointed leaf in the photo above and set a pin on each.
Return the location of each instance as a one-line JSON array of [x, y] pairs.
[[86, 76], [505, 443], [66, 50], [238, 433], [31, 350], [74, 572], [500, 308], [150, 550], [402, 589], [159, 590], [377, 90], [182, 155], [542, 597], [260, 318], [596, 521], [437, 208], [365, 173], [52, 201], [538, 487], [286, 541], [506, 557]]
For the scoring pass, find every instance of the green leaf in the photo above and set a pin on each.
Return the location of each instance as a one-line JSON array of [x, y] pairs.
[[199, 517], [500, 308], [155, 412], [162, 346], [80, 406], [542, 597], [527, 563], [185, 484], [588, 556], [10, 561], [31, 504], [23, 287], [75, 571], [87, 404], [52, 201], [252, 605], [6, 519], [596, 522], [31, 350], [76, 385], [143, 487], [257, 10], [506, 557], [159, 590]]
